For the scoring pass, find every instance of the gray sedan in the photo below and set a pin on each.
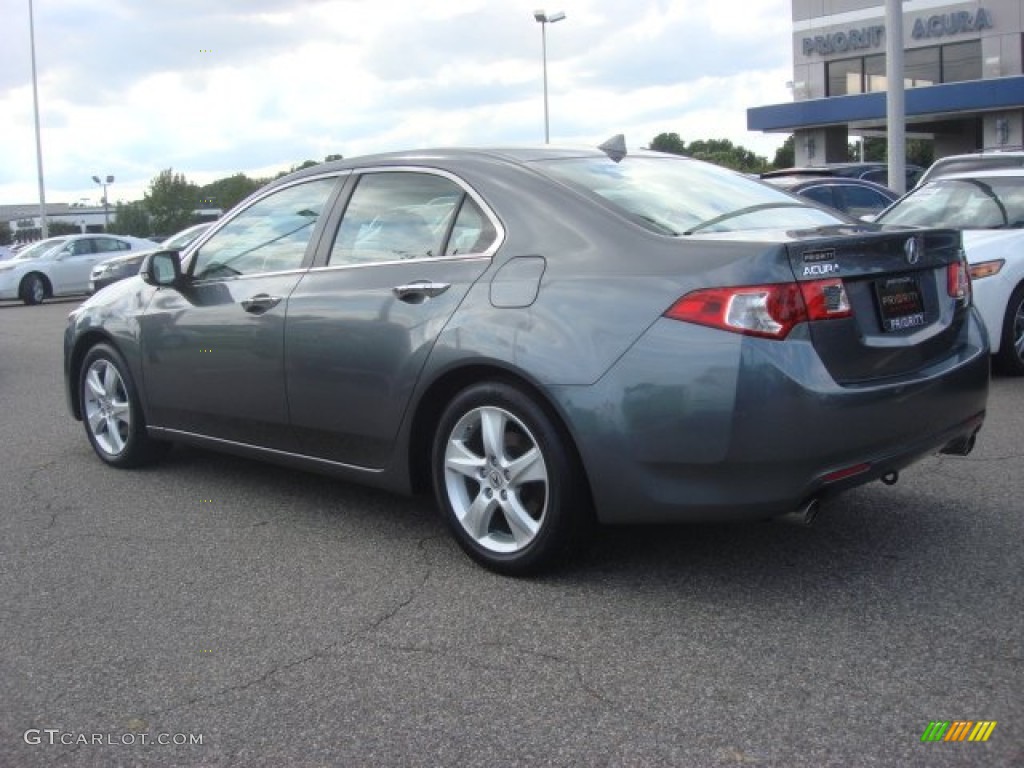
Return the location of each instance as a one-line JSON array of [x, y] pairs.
[[543, 338]]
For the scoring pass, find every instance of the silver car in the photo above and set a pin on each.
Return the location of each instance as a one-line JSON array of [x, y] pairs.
[[542, 338]]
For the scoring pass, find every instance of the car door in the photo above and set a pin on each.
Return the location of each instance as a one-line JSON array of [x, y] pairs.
[[71, 266], [213, 348], [361, 324]]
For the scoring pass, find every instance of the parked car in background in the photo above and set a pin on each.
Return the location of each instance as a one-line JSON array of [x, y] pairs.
[[984, 160], [854, 197], [988, 206], [60, 266], [119, 267], [869, 171], [5, 253], [542, 336]]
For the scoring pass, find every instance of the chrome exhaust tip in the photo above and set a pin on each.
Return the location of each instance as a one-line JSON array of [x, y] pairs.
[[802, 516]]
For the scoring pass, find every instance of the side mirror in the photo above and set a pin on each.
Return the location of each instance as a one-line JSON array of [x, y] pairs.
[[161, 269]]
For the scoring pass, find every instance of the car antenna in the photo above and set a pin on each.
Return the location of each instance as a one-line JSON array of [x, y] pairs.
[[615, 147]]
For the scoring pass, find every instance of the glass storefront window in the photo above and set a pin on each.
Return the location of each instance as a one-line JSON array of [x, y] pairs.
[[921, 67], [874, 73], [961, 61], [844, 77]]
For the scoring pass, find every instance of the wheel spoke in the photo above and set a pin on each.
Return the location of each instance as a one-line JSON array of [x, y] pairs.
[[121, 413], [110, 381], [114, 435], [528, 468], [523, 527], [94, 383], [96, 420], [461, 460], [477, 519], [492, 425]]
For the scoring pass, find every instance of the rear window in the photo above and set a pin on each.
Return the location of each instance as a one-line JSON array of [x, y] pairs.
[[680, 196]]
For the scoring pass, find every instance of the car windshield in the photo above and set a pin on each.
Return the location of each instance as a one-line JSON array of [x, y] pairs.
[[680, 196], [38, 249], [995, 202]]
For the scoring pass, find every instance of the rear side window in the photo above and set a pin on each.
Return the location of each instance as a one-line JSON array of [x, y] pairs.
[[400, 215]]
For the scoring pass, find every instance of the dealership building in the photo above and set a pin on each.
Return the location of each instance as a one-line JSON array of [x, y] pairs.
[[962, 72]]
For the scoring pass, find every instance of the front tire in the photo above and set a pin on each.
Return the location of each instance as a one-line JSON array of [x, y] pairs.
[[506, 481], [32, 289], [111, 412], [1010, 358]]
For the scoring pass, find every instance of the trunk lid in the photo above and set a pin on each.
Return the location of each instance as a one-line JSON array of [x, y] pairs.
[[905, 315]]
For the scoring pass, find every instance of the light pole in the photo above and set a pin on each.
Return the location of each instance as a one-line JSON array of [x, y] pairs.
[[106, 205], [43, 224], [544, 19]]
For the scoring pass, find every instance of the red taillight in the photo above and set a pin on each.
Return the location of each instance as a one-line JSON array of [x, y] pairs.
[[958, 281], [768, 311]]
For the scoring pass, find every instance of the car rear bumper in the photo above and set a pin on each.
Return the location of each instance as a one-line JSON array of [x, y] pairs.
[[703, 425]]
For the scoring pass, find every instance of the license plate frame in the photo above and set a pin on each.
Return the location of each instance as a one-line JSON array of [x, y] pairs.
[[900, 303]]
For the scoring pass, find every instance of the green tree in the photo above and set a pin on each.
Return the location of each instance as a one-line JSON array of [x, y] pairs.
[[171, 202], [718, 151], [876, 149], [227, 192], [669, 142], [329, 158], [63, 228], [723, 152], [785, 156], [131, 219]]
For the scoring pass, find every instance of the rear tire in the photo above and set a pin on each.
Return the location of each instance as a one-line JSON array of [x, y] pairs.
[[507, 482], [111, 412], [32, 289], [1010, 358]]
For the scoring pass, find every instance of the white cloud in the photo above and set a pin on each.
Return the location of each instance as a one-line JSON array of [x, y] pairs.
[[212, 87]]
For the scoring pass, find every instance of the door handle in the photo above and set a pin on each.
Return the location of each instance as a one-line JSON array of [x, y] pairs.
[[260, 303], [419, 291]]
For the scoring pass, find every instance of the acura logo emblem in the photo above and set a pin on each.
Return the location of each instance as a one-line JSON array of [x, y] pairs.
[[913, 250]]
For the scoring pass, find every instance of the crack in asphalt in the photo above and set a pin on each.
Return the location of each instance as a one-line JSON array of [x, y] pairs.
[[371, 627]]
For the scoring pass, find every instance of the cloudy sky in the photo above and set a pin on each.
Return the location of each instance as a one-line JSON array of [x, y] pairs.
[[214, 87]]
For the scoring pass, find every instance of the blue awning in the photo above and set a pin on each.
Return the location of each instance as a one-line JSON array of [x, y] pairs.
[[972, 96]]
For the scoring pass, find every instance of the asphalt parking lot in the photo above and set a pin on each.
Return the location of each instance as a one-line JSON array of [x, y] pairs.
[[281, 618]]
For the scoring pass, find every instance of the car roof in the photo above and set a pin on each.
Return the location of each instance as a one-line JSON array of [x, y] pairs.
[[980, 173], [787, 182], [515, 155], [951, 164]]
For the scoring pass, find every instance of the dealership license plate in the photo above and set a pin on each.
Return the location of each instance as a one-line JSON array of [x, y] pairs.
[[900, 304]]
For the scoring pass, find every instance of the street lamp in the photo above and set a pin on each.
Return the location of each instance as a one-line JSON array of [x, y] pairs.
[[106, 204], [43, 224], [544, 19]]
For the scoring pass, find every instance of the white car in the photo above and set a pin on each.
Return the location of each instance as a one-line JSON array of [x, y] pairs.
[[60, 266], [988, 207]]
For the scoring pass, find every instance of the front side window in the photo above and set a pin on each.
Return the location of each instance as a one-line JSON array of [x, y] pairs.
[[399, 215], [271, 235]]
